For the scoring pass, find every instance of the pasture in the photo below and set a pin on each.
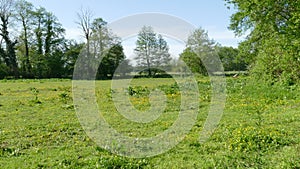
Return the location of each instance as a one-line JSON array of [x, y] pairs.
[[39, 128]]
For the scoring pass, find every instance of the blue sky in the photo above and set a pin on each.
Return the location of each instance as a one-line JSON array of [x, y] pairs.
[[212, 15]]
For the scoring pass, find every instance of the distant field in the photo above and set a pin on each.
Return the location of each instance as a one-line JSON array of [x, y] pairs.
[[39, 128]]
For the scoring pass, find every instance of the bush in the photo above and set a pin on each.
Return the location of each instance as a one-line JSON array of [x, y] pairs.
[[277, 64]]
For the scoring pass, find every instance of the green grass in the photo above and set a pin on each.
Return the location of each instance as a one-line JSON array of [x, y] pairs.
[[39, 128]]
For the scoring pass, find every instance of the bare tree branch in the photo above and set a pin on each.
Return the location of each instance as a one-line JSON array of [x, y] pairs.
[[85, 17]]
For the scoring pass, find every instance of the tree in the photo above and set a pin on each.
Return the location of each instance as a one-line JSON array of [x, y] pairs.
[[193, 61], [85, 18], [124, 67], [102, 49], [102, 39], [25, 15], [71, 53], [108, 49], [163, 56], [6, 12], [105, 47], [273, 42], [48, 44], [230, 59], [152, 51], [111, 61], [53, 45], [54, 33], [199, 50], [37, 47]]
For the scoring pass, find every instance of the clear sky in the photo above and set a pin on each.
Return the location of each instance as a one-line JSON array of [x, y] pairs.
[[212, 15]]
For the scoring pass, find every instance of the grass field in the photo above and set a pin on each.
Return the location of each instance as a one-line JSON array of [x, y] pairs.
[[39, 128]]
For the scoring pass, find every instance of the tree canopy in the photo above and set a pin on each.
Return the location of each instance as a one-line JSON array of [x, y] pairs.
[[200, 49], [273, 43], [231, 59], [152, 51], [39, 49]]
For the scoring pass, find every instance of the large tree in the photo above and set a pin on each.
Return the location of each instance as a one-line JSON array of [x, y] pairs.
[[37, 47], [85, 19], [53, 45], [110, 62], [48, 44], [103, 51], [273, 43], [102, 39], [163, 56], [54, 33], [200, 49], [107, 48], [152, 51], [9, 54], [24, 13]]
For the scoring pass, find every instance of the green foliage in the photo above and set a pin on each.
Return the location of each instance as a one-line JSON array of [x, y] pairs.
[[231, 60], [201, 53], [272, 46], [35, 92], [8, 55], [72, 51], [52, 34], [276, 63], [193, 61], [103, 50], [138, 91], [110, 62], [24, 13], [40, 50], [170, 89], [152, 51], [64, 97]]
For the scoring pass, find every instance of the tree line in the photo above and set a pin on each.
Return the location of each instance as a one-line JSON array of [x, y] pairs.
[[33, 45], [33, 42]]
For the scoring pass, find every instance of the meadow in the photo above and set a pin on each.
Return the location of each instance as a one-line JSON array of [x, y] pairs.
[[39, 128]]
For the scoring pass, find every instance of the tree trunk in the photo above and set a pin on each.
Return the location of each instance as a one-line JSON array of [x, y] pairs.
[[27, 61]]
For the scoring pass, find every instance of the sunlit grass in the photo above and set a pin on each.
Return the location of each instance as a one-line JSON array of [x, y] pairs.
[[260, 127]]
